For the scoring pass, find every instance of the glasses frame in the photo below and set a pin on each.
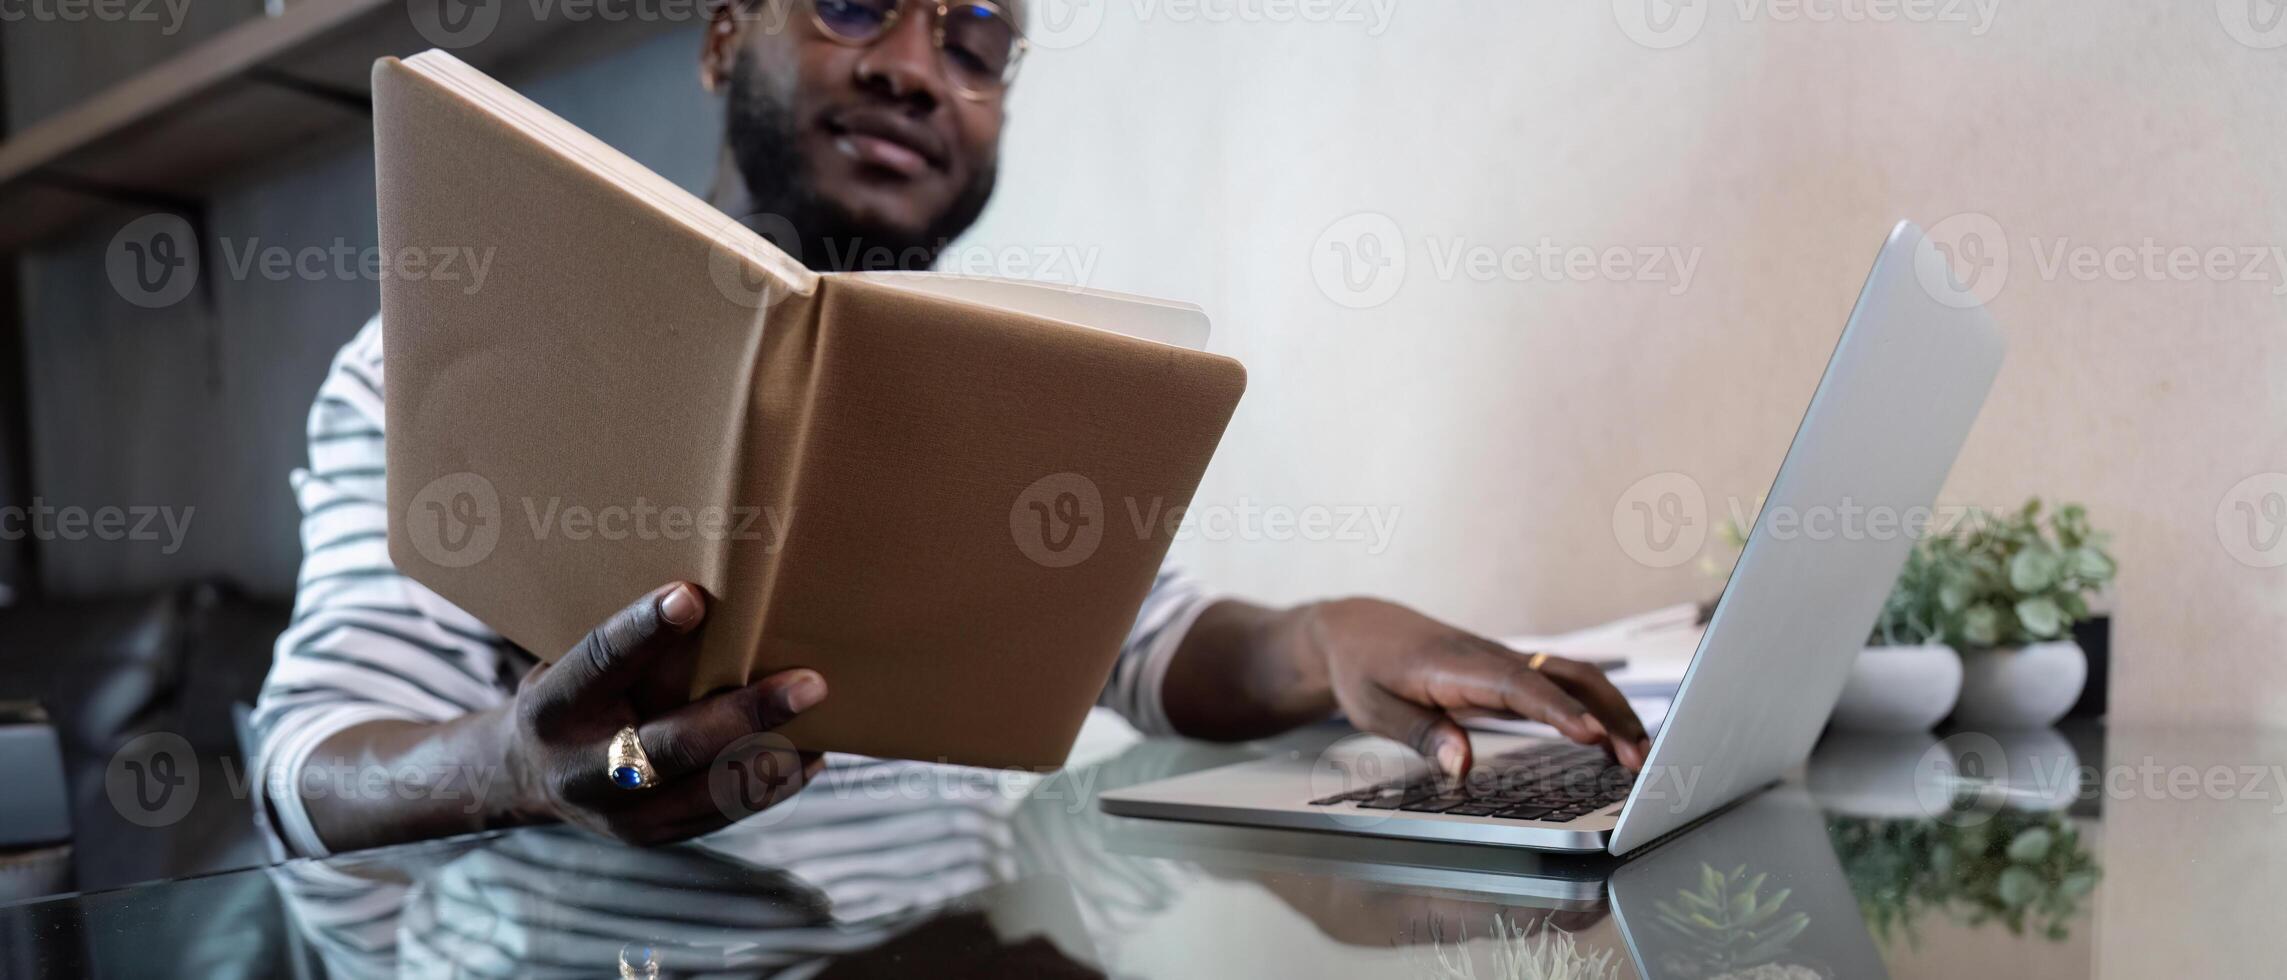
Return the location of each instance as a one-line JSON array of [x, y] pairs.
[[944, 11]]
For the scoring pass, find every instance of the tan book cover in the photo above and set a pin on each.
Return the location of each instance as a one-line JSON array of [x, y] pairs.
[[920, 486]]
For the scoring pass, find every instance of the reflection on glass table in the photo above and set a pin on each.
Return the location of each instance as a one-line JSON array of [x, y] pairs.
[[1906, 857]]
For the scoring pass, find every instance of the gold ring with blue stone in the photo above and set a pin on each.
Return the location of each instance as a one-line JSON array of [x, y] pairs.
[[629, 767]]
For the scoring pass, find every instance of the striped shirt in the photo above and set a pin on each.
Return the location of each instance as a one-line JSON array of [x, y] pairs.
[[368, 644]]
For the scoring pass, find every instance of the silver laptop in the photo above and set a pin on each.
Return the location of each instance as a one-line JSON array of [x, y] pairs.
[[1901, 389]]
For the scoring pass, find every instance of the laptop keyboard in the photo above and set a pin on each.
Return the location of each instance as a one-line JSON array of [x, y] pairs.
[[1554, 782]]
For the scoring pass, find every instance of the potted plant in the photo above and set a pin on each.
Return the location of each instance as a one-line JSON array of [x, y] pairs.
[[2009, 589], [1907, 679]]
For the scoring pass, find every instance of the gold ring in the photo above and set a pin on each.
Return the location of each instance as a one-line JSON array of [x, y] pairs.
[[629, 767], [1537, 661]]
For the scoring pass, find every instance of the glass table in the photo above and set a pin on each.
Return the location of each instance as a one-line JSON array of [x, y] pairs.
[[2083, 853]]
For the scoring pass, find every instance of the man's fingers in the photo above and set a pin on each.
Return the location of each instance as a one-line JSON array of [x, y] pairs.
[[687, 739], [708, 801], [1609, 705], [612, 656], [1427, 730], [1464, 674]]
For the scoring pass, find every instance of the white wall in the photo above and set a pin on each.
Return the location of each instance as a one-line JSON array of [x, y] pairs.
[[1501, 422]]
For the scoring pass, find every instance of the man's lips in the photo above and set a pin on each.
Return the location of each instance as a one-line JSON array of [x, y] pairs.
[[888, 141]]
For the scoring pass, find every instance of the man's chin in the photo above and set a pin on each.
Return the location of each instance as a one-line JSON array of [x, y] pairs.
[[896, 213]]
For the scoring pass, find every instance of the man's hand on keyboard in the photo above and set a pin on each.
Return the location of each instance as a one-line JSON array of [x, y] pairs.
[[1402, 675], [1245, 671]]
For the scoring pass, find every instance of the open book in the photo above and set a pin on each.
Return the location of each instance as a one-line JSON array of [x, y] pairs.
[[910, 482]]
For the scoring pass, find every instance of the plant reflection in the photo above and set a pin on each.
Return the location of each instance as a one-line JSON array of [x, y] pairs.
[[1730, 928], [2025, 869]]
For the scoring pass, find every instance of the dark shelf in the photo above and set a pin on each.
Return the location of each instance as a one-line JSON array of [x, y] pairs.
[[177, 130]]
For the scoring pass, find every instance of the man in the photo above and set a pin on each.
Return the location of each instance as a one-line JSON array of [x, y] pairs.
[[872, 128]]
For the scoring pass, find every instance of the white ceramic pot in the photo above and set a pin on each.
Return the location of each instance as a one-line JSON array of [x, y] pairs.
[[1899, 689], [2013, 688]]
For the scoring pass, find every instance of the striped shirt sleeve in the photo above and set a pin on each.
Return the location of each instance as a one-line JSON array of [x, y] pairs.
[[1176, 600], [366, 643]]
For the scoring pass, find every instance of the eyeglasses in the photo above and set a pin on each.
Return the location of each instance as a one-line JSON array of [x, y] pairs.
[[978, 43]]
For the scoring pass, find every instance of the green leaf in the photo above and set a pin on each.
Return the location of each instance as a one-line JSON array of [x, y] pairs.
[[2018, 886], [1953, 596], [2092, 566], [1777, 941], [2035, 569], [2030, 846], [1981, 626], [2040, 617], [2077, 884], [1779, 898]]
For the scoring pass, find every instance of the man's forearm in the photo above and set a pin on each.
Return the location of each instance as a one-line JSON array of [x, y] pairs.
[[387, 782], [1244, 671]]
